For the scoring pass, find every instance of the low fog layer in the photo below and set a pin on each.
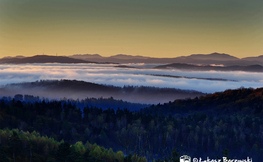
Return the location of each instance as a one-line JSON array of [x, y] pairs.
[[109, 75], [73, 89]]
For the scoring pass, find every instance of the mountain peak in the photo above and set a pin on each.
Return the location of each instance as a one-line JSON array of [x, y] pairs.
[[213, 56], [126, 57], [121, 55], [97, 55]]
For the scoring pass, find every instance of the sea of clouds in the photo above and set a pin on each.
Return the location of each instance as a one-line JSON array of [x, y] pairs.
[[110, 75]]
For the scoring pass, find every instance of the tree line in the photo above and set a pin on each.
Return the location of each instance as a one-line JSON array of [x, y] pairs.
[[199, 127]]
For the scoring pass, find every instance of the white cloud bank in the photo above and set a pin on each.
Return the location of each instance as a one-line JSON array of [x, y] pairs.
[[108, 74]]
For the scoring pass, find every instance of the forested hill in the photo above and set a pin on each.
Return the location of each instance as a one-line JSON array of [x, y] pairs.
[[41, 59], [57, 89], [103, 103], [202, 127], [242, 101], [182, 66], [32, 147]]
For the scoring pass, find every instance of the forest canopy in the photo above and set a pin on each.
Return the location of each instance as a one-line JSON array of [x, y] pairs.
[[204, 126]]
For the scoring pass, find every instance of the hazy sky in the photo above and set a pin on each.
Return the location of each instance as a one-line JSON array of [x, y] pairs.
[[157, 28]]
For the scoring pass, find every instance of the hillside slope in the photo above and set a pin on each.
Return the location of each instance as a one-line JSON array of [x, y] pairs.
[[74, 89]]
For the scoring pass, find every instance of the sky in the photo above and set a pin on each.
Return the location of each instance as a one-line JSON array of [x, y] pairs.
[[156, 28]]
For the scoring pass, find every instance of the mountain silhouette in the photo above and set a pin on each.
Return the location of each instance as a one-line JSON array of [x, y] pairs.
[[203, 59], [180, 66], [258, 58], [57, 89], [212, 56], [42, 59]]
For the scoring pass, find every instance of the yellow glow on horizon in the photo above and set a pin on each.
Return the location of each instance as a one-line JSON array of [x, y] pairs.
[[163, 43], [150, 29]]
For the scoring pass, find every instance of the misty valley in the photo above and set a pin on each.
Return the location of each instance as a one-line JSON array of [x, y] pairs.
[[226, 124], [85, 111], [131, 81], [208, 81]]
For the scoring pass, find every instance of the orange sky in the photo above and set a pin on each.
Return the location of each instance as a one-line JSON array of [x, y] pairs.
[[149, 28]]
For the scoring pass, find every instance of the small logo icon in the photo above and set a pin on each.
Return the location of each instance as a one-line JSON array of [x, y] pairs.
[[185, 158]]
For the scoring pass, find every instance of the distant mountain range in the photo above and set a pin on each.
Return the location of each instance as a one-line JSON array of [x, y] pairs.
[[196, 59], [179, 66], [204, 59], [42, 59]]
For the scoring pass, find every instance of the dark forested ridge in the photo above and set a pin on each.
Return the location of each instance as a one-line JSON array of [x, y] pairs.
[[183, 66], [41, 59], [242, 100], [199, 127], [57, 89], [104, 103]]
